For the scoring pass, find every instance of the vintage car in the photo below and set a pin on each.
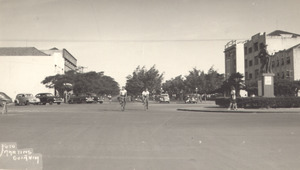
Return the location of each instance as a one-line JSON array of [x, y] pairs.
[[191, 99], [48, 98], [164, 98], [4, 97], [85, 98], [26, 99]]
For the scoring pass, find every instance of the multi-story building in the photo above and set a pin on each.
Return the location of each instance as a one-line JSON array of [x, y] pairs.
[[234, 58], [275, 41], [24, 68], [284, 63], [70, 62]]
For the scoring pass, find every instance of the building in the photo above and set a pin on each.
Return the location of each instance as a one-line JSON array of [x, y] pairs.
[[70, 62], [275, 41], [284, 63], [234, 58], [24, 68]]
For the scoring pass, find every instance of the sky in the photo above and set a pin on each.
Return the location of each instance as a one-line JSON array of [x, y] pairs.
[[117, 36]]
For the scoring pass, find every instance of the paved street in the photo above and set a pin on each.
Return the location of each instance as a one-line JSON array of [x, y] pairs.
[[100, 136]]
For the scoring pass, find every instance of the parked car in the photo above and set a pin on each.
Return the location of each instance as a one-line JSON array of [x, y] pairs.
[[191, 99], [164, 98], [5, 97], [48, 98], [26, 99], [85, 98], [96, 99]]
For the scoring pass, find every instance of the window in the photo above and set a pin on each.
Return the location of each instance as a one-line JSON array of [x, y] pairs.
[[256, 60], [261, 46], [246, 63], [250, 50], [288, 60], [288, 73], [256, 46], [256, 73], [245, 50], [250, 63], [246, 75], [282, 75], [250, 76]]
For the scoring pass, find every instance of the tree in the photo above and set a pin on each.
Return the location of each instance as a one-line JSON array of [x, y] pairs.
[[195, 79], [285, 87], [213, 80], [235, 80], [142, 78], [175, 86], [90, 82]]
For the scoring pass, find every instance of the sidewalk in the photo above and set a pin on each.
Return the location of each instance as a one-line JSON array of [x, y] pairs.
[[212, 107]]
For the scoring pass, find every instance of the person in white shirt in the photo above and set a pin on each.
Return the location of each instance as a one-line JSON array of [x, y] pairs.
[[145, 94], [233, 104], [123, 92]]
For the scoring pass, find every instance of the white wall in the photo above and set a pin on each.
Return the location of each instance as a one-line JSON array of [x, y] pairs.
[[276, 43], [240, 60], [24, 74], [296, 59]]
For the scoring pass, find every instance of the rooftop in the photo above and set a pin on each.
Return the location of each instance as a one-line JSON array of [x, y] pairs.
[[279, 33], [21, 51]]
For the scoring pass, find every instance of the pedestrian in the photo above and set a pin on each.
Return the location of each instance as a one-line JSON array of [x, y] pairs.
[[199, 98], [109, 98], [4, 104], [233, 104]]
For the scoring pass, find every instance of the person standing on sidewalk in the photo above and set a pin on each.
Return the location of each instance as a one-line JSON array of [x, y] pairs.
[[4, 104], [233, 104]]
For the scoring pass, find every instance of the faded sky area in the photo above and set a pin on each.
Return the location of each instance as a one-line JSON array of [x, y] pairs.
[[115, 36]]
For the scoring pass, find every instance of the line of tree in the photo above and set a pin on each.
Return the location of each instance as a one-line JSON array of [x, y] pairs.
[[197, 81], [81, 83]]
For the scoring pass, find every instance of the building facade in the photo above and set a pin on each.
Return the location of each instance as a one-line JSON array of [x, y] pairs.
[[284, 63], [275, 41], [234, 58], [24, 68], [70, 62]]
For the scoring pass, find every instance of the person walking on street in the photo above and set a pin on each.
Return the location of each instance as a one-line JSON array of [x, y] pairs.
[[233, 104], [145, 96], [122, 98], [4, 105], [109, 98]]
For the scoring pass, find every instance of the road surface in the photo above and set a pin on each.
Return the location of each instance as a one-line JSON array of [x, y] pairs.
[[101, 136]]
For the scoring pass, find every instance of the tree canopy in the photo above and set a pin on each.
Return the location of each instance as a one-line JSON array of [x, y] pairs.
[[196, 81], [90, 82], [142, 78]]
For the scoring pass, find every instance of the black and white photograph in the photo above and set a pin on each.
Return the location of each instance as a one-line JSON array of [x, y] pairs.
[[149, 85]]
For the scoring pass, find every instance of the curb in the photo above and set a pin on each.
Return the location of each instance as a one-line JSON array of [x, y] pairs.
[[239, 111]]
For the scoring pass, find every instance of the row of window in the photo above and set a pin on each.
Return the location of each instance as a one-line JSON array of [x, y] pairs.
[[281, 75], [288, 61], [256, 62], [255, 48]]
